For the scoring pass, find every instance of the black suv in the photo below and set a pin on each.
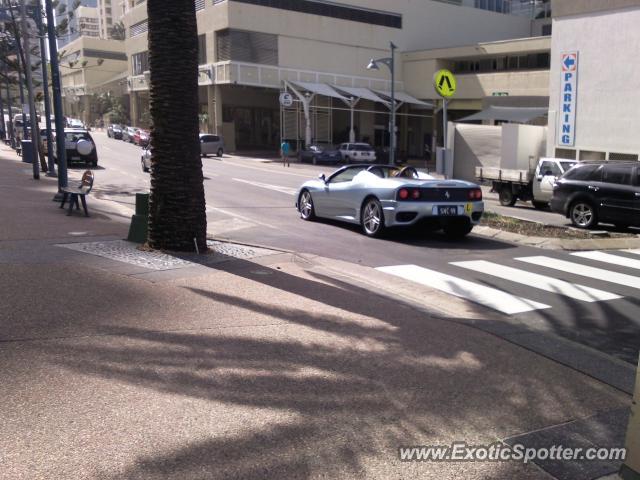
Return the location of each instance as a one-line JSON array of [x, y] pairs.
[[594, 192]]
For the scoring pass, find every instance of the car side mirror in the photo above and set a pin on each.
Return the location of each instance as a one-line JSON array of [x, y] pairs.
[[322, 177]]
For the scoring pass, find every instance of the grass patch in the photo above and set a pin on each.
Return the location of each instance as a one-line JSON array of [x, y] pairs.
[[533, 229]]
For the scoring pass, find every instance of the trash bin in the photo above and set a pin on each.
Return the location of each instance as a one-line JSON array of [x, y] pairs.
[[27, 151]]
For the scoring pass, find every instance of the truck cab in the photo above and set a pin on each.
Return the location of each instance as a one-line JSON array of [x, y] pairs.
[[547, 172]]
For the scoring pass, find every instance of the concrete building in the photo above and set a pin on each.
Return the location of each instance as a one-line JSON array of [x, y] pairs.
[[81, 22], [595, 80], [253, 49], [91, 66], [107, 16]]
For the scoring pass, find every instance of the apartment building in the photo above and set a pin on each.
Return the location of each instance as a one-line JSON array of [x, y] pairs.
[[250, 50], [595, 80], [82, 21]]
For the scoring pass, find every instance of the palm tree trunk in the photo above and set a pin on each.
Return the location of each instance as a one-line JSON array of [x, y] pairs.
[[177, 213]]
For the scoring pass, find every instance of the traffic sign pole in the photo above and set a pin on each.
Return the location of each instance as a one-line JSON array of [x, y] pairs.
[[444, 133]]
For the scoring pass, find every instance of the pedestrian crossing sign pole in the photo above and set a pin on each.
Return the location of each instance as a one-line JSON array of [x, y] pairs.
[[445, 85]]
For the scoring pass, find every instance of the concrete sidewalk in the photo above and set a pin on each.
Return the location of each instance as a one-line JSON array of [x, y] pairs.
[[250, 364]]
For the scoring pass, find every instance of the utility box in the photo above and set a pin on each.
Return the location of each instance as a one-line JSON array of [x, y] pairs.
[[140, 221], [631, 468], [27, 151]]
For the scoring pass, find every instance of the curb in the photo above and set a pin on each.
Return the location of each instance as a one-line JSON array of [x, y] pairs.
[[558, 243]]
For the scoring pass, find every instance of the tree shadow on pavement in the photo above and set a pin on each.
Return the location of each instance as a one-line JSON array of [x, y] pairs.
[[336, 383]]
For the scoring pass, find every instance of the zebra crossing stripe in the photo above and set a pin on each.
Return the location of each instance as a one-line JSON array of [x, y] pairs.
[[489, 297], [635, 251], [541, 282], [609, 258], [584, 271]]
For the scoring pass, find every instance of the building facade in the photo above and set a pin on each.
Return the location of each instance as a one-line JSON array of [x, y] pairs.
[[594, 80], [252, 49], [82, 21]]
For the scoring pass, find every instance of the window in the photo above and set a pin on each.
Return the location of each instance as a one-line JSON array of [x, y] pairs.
[[499, 64], [243, 46], [584, 173], [139, 28], [618, 174], [546, 30], [202, 49], [140, 62], [550, 167], [346, 175], [327, 9]]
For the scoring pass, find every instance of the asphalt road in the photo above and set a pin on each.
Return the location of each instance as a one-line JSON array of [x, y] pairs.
[[593, 300]]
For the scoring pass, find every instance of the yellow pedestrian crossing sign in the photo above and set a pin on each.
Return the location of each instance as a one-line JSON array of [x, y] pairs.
[[444, 83]]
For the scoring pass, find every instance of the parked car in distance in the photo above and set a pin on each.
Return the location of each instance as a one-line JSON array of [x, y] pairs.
[[72, 137], [211, 145], [357, 152], [114, 131], [128, 133], [141, 137], [319, 154], [590, 193]]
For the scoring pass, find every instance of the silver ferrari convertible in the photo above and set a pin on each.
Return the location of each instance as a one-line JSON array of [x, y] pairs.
[[377, 197]]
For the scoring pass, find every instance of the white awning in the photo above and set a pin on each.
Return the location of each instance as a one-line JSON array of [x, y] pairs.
[[319, 88], [508, 114], [405, 98], [359, 92]]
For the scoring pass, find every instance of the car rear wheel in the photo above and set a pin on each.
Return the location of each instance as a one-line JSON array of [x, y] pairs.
[[506, 196], [540, 205], [220, 152], [305, 206], [583, 214], [372, 218]]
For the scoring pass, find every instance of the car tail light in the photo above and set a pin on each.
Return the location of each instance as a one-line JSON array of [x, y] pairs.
[[475, 194], [415, 194], [403, 194]]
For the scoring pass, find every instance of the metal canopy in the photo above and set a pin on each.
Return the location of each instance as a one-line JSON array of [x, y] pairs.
[[405, 98], [320, 89], [362, 93], [508, 114]]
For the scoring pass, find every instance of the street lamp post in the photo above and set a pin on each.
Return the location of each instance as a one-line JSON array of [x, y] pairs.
[[390, 63]]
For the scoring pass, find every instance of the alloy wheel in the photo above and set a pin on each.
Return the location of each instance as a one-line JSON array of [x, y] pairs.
[[582, 215], [372, 218], [306, 206]]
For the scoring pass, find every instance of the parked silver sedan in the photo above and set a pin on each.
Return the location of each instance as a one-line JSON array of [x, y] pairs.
[[377, 197]]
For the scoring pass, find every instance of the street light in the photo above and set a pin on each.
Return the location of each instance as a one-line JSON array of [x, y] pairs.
[[390, 63]]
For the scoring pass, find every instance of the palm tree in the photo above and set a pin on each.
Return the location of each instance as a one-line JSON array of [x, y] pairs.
[[177, 213]]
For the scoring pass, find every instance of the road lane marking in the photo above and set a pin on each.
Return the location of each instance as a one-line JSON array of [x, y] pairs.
[[241, 217], [276, 188], [584, 271], [609, 258], [475, 292], [635, 251], [272, 170], [542, 282]]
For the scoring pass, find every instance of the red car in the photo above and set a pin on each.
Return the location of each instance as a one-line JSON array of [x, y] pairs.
[[141, 137]]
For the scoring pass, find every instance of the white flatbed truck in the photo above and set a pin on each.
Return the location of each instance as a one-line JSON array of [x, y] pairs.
[[534, 183]]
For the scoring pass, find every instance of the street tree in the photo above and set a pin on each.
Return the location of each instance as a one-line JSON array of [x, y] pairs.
[[177, 213]]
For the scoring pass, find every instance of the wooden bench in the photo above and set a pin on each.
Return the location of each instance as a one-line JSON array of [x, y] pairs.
[[81, 191]]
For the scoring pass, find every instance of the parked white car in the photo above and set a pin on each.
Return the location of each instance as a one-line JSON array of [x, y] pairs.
[[357, 153], [211, 145]]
